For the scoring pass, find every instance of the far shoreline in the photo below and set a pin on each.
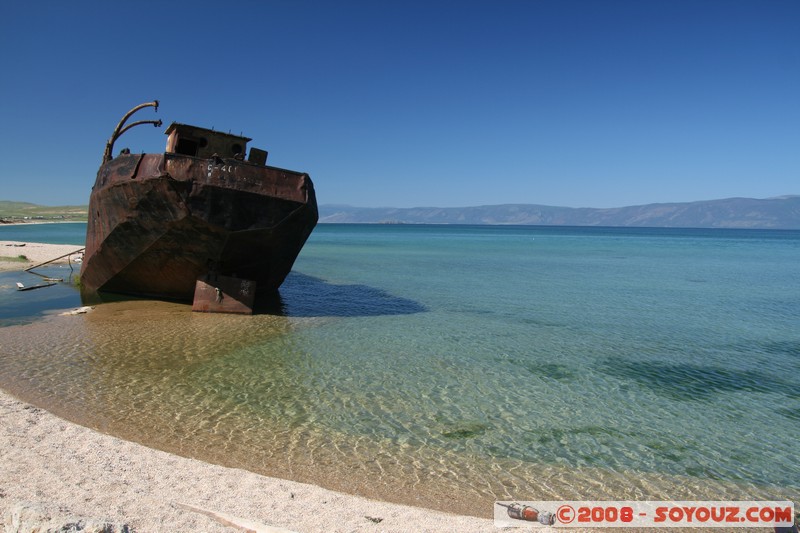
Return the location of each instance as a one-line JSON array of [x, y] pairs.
[[35, 222]]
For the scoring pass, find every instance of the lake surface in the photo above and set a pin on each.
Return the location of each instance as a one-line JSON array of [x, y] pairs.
[[449, 366], [56, 233]]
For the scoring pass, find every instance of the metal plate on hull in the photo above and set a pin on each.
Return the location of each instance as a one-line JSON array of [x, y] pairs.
[[224, 294]]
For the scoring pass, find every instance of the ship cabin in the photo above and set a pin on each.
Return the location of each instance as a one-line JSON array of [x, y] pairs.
[[204, 143]]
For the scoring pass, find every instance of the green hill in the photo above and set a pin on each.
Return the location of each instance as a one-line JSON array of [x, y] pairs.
[[27, 212]]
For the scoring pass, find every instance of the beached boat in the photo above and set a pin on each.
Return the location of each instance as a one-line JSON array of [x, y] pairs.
[[161, 225]]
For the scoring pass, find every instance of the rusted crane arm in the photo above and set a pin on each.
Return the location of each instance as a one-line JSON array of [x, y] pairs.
[[120, 129]]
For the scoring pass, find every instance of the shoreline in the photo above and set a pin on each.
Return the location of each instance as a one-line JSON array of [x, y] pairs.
[[6, 222], [64, 473], [47, 460]]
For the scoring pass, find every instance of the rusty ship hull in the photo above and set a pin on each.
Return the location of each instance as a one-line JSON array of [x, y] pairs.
[[159, 222]]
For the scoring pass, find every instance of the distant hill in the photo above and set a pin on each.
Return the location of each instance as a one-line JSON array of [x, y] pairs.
[[27, 212], [771, 213]]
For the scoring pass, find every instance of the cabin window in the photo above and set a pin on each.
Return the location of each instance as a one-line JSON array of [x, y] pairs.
[[187, 147], [236, 148]]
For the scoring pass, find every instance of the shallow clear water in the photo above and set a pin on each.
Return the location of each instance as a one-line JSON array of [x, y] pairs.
[[418, 363]]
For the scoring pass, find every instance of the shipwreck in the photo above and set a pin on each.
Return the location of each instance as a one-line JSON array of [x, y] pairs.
[[199, 222]]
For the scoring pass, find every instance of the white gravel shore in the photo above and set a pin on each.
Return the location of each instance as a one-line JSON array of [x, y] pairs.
[[35, 253]]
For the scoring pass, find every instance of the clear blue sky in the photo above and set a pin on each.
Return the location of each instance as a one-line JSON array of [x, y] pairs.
[[593, 103]]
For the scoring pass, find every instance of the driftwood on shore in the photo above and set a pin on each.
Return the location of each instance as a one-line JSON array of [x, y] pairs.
[[65, 256]]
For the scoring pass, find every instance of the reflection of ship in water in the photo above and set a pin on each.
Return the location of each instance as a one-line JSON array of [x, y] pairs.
[[158, 223]]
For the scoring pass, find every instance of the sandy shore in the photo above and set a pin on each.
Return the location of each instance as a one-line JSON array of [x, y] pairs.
[[44, 459], [35, 253]]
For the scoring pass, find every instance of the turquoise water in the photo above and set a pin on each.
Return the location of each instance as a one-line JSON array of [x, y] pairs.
[[60, 233], [474, 361]]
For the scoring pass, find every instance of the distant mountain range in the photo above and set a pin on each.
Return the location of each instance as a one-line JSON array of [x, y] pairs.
[[771, 213]]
